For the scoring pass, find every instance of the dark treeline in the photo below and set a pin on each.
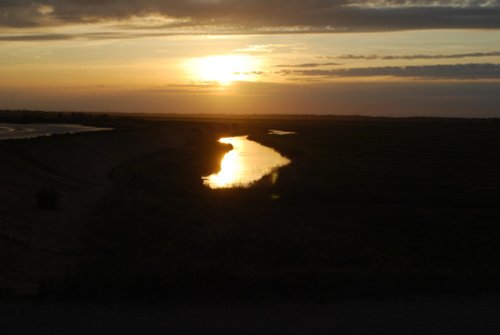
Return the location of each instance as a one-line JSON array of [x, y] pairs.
[[33, 116]]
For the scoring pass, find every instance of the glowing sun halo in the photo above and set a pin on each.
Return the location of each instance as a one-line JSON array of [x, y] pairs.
[[224, 69]]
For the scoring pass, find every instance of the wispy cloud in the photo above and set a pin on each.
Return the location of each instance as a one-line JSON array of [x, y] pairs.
[[417, 57], [307, 65], [457, 71], [35, 37], [79, 36], [261, 48]]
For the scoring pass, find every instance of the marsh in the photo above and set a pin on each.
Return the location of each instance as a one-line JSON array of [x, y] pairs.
[[367, 208]]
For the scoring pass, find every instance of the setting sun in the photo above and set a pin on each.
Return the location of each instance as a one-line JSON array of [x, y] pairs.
[[224, 69]]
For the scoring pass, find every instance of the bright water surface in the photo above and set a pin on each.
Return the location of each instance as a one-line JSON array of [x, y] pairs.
[[245, 164], [10, 131], [281, 132]]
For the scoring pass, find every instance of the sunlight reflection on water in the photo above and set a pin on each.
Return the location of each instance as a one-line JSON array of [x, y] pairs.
[[245, 164], [281, 132]]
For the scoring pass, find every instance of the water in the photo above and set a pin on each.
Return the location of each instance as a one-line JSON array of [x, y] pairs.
[[281, 132], [11, 131], [245, 164]]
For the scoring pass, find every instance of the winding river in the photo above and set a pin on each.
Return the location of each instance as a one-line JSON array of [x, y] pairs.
[[245, 164]]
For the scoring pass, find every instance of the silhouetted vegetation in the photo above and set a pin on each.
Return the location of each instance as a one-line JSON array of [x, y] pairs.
[[33, 116], [368, 207], [48, 199]]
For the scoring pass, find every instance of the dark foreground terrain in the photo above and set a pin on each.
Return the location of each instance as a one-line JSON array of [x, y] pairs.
[[423, 316], [369, 209]]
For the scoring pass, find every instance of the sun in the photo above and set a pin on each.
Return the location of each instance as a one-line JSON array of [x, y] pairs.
[[225, 69]]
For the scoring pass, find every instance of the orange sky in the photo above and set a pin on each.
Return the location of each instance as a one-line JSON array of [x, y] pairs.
[[199, 57]]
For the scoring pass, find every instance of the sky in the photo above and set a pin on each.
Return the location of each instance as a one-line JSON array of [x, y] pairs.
[[342, 57]]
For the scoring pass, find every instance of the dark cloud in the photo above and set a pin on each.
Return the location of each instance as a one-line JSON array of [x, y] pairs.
[[81, 36], [37, 37], [457, 71], [226, 16], [417, 57]]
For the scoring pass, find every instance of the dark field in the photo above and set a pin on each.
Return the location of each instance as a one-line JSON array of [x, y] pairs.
[[368, 208]]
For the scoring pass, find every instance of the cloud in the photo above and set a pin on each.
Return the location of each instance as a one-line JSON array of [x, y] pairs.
[[417, 57], [36, 37], [307, 65], [268, 48], [457, 71], [247, 16], [80, 36]]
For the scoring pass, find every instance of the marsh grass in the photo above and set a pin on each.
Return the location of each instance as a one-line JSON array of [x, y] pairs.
[[367, 207], [48, 199]]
